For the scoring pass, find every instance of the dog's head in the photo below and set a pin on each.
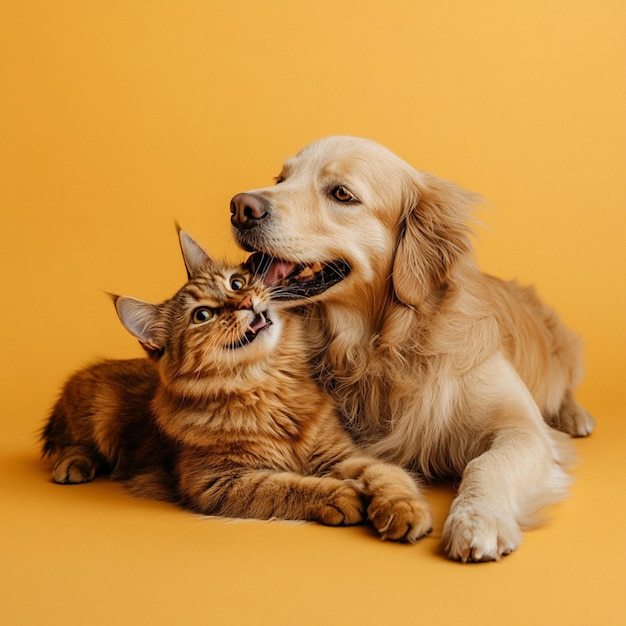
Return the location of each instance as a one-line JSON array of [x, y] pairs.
[[346, 212]]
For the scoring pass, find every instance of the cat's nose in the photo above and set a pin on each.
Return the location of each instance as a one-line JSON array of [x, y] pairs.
[[245, 303], [248, 210]]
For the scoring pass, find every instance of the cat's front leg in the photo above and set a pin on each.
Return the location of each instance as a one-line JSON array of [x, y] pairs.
[[397, 508], [264, 494]]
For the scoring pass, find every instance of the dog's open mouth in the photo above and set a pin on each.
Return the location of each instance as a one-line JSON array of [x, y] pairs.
[[260, 323], [294, 281]]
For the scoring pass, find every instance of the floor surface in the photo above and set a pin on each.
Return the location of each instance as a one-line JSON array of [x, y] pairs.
[[93, 554]]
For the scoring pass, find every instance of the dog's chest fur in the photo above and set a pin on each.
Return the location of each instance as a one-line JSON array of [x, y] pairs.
[[377, 379]]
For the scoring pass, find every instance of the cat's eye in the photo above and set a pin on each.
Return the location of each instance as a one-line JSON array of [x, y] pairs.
[[343, 194], [237, 282], [202, 314]]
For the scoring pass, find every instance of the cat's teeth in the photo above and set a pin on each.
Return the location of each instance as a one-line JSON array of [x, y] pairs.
[[259, 323]]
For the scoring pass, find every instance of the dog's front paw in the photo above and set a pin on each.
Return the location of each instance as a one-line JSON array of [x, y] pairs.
[[470, 535], [406, 519]]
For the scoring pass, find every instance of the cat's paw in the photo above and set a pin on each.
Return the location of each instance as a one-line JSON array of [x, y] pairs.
[[343, 507], [73, 469], [400, 519], [470, 535]]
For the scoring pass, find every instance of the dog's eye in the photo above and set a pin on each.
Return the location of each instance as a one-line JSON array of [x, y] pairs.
[[237, 282], [342, 194], [202, 314]]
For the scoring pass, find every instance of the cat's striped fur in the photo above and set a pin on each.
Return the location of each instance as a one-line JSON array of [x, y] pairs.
[[223, 417]]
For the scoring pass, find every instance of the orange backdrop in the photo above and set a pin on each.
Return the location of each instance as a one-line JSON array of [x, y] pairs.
[[118, 117]]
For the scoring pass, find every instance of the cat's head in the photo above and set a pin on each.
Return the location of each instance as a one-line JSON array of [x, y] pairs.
[[220, 320]]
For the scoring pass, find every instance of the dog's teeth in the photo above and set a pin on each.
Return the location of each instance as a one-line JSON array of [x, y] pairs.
[[309, 272], [306, 274]]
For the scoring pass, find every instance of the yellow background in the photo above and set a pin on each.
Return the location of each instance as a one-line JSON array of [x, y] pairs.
[[119, 116]]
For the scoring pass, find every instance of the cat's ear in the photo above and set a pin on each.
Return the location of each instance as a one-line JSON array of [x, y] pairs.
[[194, 255], [144, 321]]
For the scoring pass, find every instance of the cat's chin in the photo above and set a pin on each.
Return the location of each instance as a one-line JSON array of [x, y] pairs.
[[297, 281]]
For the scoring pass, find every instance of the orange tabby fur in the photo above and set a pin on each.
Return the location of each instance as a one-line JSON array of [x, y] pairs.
[[224, 418]]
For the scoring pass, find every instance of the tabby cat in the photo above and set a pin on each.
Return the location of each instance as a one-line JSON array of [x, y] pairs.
[[223, 417]]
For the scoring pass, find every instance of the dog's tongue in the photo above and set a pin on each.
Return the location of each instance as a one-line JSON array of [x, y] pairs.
[[271, 270], [277, 271]]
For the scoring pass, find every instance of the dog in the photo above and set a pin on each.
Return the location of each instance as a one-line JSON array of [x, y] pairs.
[[433, 364]]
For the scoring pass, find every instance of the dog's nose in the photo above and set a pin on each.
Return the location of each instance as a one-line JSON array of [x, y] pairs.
[[247, 210]]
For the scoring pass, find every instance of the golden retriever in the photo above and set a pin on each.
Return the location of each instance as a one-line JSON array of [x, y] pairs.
[[432, 363]]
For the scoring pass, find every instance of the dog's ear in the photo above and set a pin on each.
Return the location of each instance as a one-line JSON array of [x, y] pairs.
[[434, 235]]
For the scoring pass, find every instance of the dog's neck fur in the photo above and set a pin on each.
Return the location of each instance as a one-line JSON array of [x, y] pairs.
[[350, 328], [350, 331], [346, 336], [360, 355]]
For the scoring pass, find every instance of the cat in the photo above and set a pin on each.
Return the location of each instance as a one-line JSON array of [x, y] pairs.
[[223, 416]]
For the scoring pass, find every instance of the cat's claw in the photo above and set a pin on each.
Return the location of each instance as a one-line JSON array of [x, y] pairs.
[[400, 519]]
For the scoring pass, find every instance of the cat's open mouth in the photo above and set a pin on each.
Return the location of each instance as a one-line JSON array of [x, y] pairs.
[[260, 323], [293, 281]]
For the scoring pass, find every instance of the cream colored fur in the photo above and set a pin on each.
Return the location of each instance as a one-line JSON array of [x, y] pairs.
[[432, 363]]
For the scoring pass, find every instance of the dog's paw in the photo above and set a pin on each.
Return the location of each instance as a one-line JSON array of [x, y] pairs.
[[573, 419], [343, 506], [473, 536], [406, 519]]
